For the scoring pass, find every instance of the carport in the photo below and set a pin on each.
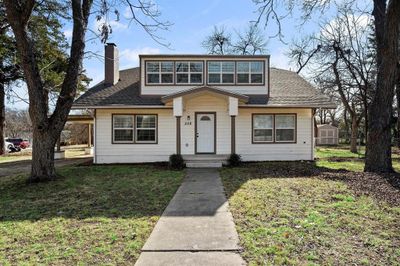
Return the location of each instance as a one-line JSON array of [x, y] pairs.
[[78, 119]]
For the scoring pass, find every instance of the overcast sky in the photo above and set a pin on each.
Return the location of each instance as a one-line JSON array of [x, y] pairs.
[[192, 22]]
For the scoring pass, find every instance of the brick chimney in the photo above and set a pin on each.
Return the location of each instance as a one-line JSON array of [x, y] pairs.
[[111, 73]]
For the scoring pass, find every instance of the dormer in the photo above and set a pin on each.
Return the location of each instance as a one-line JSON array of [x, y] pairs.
[[166, 74]]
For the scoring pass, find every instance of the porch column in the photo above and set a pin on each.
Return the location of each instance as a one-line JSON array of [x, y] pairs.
[[233, 112], [178, 135], [233, 134], [89, 135], [178, 111]]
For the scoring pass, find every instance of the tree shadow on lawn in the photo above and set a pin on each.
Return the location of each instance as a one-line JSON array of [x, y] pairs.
[[90, 191], [383, 186]]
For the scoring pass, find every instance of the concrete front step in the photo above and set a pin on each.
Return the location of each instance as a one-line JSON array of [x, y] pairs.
[[205, 160], [203, 164]]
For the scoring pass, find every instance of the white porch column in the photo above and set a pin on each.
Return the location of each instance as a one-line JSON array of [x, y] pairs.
[[233, 106], [178, 111], [178, 106]]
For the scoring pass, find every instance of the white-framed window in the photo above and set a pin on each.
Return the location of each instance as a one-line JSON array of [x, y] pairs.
[[189, 72], [123, 128], [250, 72], [146, 128], [160, 72], [221, 72], [263, 128], [285, 128]]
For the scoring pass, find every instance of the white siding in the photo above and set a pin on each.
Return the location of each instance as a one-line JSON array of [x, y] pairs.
[[107, 152], [206, 103], [302, 150], [167, 89]]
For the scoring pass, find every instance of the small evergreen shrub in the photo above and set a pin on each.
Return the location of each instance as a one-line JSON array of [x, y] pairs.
[[234, 160], [176, 162]]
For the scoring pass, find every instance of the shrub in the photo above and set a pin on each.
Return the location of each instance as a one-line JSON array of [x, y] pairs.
[[176, 162], [234, 160]]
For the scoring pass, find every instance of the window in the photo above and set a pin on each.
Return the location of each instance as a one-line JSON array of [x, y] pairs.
[[250, 72], [221, 72], [274, 128], [160, 72], [189, 72], [263, 128], [285, 126], [123, 128], [146, 128]]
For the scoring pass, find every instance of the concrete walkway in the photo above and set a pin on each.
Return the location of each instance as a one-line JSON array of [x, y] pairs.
[[196, 228]]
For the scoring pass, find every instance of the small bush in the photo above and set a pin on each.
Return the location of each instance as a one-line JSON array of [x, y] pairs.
[[234, 160], [176, 162]]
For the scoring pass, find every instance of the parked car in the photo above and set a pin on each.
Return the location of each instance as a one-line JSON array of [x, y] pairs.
[[10, 147], [18, 142], [24, 144]]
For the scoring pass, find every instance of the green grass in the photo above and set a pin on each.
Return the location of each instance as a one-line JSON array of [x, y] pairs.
[[340, 157], [94, 215], [340, 151], [294, 219]]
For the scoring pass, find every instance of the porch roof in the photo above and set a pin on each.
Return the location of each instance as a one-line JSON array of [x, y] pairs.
[[216, 90]]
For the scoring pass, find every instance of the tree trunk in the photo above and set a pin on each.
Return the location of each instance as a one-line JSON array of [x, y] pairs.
[[42, 157], [398, 113], [354, 131], [379, 150], [2, 117]]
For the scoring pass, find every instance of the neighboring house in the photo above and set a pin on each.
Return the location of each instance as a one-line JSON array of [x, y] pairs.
[[327, 135], [201, 104]]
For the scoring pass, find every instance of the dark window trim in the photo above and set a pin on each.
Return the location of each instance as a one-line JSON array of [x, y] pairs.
[[134, 129], [158, 84], [274, 129], [113, 131], [266, 71], [189, 73], [155, 129], [174, 74], [221, 73], [249, 61]]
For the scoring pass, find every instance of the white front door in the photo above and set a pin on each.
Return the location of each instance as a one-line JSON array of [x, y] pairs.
[[205, 133]]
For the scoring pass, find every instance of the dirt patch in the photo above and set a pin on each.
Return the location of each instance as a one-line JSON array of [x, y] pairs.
[[384, 187]]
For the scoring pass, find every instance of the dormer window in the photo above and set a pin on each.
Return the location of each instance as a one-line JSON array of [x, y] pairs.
[[221, 72], [189, 72], [160, 72], [250, 72]]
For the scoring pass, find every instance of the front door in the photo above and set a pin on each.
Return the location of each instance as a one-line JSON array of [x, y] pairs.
[[205, 133]]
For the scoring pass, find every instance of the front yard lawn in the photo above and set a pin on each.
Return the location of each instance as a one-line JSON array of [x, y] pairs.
[[296, 213], [93, 215]]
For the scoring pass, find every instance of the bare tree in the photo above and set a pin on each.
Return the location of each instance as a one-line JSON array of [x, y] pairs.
[[249, 42], [386, 14], [218, 42], [18, 123], [47, 127], [387, 24], [339, 56]]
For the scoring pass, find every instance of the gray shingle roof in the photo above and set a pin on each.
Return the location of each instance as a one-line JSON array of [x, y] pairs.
[[287, 89]]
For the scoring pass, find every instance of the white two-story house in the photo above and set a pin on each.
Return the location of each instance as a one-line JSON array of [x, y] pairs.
[[199, 105]]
